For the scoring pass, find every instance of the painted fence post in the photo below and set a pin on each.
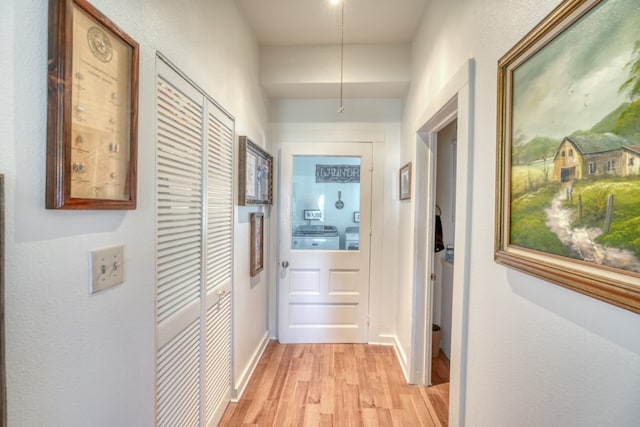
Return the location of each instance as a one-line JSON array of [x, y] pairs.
[[607, 220], [580, 208]]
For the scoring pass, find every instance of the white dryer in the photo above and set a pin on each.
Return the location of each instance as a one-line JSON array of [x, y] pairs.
[[352, 238]]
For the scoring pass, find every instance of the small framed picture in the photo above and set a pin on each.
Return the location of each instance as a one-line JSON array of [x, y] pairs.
[[356, 217], [256, 174], [405, 182], [256, 260]]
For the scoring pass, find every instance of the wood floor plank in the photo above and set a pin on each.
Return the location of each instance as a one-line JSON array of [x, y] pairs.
[[280, 375], [438, 398], [335, 385], [298, 406], [440, 369], [384, 417], [327, 395], [367, 389], [370, 417]]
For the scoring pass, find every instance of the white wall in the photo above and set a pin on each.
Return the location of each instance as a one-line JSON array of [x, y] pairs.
[[370, 70], [75, 359], [537, 354]]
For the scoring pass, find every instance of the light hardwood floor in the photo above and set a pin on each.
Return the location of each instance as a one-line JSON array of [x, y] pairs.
[[335, 385], [440, 369]]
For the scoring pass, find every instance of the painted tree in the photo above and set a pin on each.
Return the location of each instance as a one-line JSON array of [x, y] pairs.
[[632, 84], [628, 124]]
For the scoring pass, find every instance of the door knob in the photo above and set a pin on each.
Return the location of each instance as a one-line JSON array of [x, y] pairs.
[[285, 264]]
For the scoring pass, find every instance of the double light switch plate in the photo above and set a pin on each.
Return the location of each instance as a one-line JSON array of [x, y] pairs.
[[107, 268]]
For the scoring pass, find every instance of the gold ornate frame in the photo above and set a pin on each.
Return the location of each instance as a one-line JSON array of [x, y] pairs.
[[615, 286], [3, 376]]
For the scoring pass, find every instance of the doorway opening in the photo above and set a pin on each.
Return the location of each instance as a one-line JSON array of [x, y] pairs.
[[452, 105], [444, 237]]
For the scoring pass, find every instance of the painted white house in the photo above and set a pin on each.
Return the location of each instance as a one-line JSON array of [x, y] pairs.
[[532, 353]]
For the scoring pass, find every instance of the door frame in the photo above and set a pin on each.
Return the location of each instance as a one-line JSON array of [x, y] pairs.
[[454, 101], [304, 133]]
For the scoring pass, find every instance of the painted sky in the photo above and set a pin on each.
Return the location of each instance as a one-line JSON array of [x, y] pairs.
[[573, 82]]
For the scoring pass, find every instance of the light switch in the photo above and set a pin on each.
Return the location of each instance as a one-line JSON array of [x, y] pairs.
[[107, 268]]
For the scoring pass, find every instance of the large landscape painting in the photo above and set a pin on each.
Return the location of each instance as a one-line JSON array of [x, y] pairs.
[[575, 142]]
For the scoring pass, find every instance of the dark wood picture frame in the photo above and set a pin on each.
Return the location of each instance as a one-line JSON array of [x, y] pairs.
[[404, 182], [255, 174], [91, 147], [256, 256], [525, 240]]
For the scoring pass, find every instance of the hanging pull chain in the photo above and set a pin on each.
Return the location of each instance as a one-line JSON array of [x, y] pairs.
[[342, 59]]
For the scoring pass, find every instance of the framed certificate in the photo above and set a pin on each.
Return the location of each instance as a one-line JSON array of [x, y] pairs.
[[92, 110], [256, 174]]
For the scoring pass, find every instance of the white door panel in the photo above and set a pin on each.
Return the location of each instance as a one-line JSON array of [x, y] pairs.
[[324, 292]]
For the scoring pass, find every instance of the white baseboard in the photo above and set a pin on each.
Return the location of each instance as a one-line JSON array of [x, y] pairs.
[[217, 414], [402, 358], [385, 340], [242, 382], [392, 340]]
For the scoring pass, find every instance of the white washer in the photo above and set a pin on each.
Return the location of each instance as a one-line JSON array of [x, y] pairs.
[[316, 237], [315, 242]]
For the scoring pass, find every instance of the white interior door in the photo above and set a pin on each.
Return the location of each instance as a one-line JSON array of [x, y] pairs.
[[325, 217]]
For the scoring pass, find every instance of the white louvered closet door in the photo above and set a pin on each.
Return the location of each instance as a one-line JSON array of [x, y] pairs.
[[219, 249], [194, 254]]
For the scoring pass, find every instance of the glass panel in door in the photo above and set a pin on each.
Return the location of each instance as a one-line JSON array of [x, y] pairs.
[[325, 203]]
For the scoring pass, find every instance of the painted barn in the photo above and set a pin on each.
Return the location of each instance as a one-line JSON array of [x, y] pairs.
[[584, 154], [631, 160]]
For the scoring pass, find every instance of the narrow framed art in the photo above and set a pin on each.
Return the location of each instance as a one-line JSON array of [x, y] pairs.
[[92, 111], [256, 174], [256, 254], [405, 182], [568, 165]]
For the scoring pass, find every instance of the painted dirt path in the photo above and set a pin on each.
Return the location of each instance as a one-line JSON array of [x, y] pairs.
[[582, 239]]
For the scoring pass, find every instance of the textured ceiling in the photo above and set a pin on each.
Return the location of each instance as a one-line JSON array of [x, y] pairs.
[[305, 22]]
